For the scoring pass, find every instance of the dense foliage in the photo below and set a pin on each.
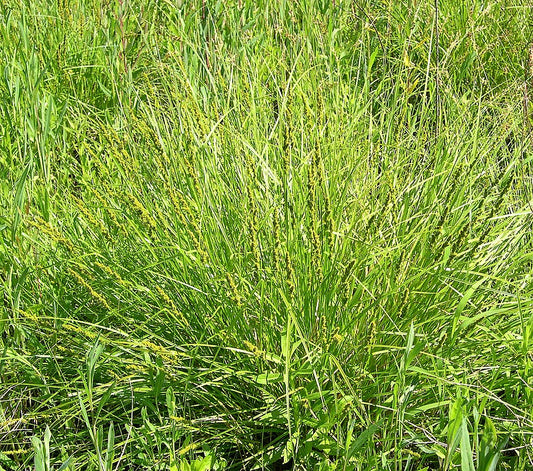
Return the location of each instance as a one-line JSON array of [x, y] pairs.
[[265, 235]]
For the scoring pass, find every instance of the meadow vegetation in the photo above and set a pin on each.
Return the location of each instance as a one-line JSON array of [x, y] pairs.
[[265, 235]]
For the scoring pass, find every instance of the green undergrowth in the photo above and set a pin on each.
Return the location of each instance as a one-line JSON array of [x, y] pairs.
[[265, 235]]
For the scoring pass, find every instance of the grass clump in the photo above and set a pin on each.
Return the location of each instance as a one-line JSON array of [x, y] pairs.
[[265, 235]]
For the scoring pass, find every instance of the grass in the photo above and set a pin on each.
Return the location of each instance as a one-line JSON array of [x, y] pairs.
[[265, 235]]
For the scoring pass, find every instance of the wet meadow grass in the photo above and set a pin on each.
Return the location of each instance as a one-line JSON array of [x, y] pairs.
[[265, 235]]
